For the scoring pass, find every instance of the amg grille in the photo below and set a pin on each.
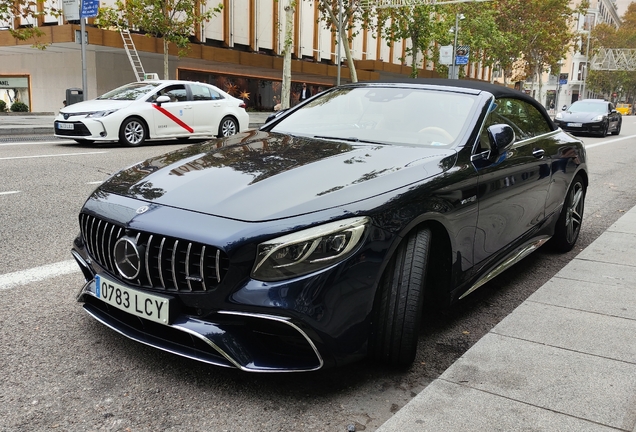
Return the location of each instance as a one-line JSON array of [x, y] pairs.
[[168, 263]]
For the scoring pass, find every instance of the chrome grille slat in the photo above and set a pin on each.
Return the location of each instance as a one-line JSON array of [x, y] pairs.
[[201, 269], [179, 263], [187, 266], [175, 247], [148, 246]]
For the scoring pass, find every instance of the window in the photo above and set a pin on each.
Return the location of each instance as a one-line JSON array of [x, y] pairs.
[[176, 93], [521, 116], [200, 92]]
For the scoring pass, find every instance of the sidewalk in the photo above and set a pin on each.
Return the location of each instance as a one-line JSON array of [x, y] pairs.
[[42, 123], [564, 360]]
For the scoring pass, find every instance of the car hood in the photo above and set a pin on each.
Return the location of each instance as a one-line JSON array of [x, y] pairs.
[[578, 116], [258, 176], [95, 105]]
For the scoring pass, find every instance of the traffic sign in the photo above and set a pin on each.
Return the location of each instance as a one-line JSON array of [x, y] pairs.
[[89, 8]]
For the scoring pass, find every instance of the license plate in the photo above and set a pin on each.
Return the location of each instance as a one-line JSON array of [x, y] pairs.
[[575, 124], [67, 126], [152, 307]]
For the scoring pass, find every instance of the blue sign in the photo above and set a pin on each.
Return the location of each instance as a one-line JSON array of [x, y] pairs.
[[89, 8], [461, 60]]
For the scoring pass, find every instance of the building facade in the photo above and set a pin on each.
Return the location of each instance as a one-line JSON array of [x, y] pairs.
[[239, 50]]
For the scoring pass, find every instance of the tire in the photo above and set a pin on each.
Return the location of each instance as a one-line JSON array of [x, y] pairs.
[[133, 132], [603, 133], [84, 141], [618, 129], [398, 310], [228, 127], [568, 226]]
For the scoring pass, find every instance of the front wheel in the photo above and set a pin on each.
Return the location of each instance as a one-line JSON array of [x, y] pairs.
[[227, 127], [133, 132], [568, 226], [618, 129], [604, 131], [398, 309]]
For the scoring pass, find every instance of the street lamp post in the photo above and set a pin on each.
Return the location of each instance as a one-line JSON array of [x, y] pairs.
[[458, 17]]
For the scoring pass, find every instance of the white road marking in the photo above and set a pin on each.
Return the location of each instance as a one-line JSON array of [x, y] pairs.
[[52, 155], [95, 182], [609, 141], [15, 143], [23, 277], [9, 192]]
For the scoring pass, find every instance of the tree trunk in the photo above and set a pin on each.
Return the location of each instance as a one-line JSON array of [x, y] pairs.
[[166, 70], [352, 67], [287, 49]]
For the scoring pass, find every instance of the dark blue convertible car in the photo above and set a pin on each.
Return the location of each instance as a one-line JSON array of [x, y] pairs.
[[318, 239]]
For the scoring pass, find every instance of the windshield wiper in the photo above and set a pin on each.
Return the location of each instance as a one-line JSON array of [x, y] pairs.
[[349, 139]]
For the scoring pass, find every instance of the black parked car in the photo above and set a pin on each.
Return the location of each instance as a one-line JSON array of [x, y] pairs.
[[318, 240], [592, 116]]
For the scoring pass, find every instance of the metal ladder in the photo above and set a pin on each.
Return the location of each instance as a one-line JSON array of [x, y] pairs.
[[135, 62]]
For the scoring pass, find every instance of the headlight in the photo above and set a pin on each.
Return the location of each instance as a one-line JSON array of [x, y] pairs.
[[599, 117], [559, 116], [309, 250], [100, 113]]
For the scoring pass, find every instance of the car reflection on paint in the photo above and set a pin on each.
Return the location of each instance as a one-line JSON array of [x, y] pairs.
[[133, 113], [319, 239]]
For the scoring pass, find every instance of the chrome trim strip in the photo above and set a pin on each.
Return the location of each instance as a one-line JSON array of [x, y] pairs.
[[111, 260], [283, 320], [100, 230], [138, 271], [90, 241], [512, 259]]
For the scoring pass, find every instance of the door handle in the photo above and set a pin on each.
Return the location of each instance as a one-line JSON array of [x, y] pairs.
[[538, 153]]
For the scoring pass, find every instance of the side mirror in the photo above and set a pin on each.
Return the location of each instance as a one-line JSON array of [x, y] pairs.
[[162, 99], [564, 108], [501, 137]]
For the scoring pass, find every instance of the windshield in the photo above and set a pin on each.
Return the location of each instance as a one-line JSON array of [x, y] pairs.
[[132, 91], [594, 107], [387, 115]]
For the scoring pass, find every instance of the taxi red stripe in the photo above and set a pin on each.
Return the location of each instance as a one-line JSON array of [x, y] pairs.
[[173, 118]]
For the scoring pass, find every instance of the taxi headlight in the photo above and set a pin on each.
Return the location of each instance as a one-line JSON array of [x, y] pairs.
[[309, 250], [101, 113]]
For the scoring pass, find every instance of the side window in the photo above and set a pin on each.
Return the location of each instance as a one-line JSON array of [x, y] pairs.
[[216, 95], [176, 93], [200, 93], [525, 120]]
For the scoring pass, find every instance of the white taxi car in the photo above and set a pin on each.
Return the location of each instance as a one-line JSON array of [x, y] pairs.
[[153, 109]]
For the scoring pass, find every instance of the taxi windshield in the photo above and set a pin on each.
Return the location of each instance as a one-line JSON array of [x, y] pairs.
[[132, 91]]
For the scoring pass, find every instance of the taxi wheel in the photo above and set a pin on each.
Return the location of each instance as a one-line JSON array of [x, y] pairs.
[[133, 132], [228, 127]]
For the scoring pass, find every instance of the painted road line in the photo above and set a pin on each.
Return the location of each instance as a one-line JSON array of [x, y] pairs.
[[37, 274], [15, 143], [9, 192], [609, 141], [95, 182], [52, 155]]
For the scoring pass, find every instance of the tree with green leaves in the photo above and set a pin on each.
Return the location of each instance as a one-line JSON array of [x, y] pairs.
[[172, 20], [28, 11], [606, 36]]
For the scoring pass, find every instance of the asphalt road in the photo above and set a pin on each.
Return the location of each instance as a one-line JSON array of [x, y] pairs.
[[61, 370]]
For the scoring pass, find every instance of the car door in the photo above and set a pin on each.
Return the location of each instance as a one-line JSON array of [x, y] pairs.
[[174, 118], [613, 116], [207, 109], [513, 189]]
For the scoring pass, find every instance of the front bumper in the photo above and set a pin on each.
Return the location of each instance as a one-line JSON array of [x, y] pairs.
[[247, 341], [590, 127], [87, 129]]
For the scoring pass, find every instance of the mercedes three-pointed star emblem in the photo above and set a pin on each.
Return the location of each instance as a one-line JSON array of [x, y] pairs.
[[127, 258]]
